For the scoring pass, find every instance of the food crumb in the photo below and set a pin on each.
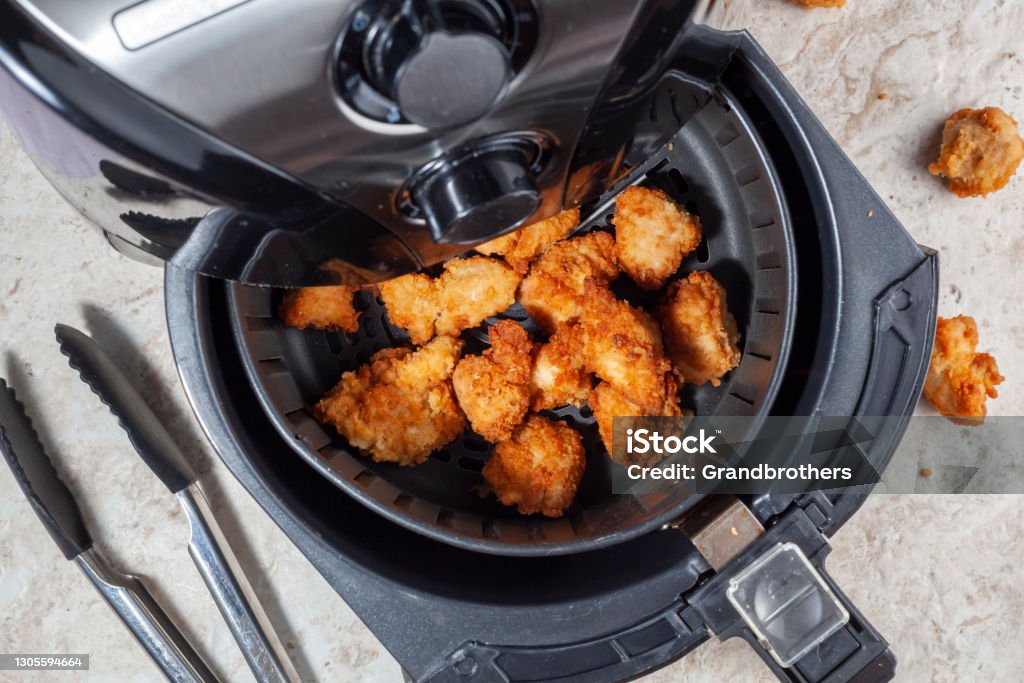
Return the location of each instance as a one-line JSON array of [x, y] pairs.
[[870, 213], [926, 472], [671, 146], [290, 645], [914, 178], [883, 95], [734, 532]]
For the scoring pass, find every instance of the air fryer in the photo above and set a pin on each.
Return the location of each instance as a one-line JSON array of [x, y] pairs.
[[304, 143]]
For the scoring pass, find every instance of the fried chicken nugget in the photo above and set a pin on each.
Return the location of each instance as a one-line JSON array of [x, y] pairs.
[[622, 345], [539, 468], [960, 380], [522, 246], [981, 150], [607, 403], [701, 338], [652, 235], [400, 406], [494, 389], [559, 376], [471, 290], [467, 292], [412, 303], [553, 292], [321, 308]]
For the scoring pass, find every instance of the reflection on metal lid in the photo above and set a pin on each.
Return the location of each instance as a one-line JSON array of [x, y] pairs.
[[152, 20]]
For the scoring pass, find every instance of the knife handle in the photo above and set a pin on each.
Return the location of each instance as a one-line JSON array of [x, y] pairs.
[[147, 621], [232, 592]]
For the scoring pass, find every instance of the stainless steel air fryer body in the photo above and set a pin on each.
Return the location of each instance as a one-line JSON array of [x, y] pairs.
[[291, 142]]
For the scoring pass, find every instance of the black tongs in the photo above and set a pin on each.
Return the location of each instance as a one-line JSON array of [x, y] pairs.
[[60, 514]]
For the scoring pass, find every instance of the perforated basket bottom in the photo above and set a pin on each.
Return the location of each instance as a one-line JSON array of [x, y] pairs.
[[714, 167]]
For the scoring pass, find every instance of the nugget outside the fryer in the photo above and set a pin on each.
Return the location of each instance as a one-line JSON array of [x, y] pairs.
[[981, 150], [539, 468], [819, 3], [553, 292], [400, 406], [701, 338], [559, 376], [321, 308], [622, 345], [471, 290], [493, 389], [960, 380], [411, 301], [607, 403], [652, 235], [521, 247]]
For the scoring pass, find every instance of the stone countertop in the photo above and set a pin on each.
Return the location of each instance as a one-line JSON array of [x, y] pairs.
[[937, 575]]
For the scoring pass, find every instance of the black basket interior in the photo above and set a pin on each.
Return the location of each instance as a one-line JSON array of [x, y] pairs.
[[715, 166]]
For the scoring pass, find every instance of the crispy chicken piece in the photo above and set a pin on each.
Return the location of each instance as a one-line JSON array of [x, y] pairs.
[[411, 301], [522, 246], [810, 4], [553, 292], [981, 150], [494, 389], [652, 235], [700, 333], [467, 292], [400, 406], [559, 376], [471, 290], [622, 345], [539, 468], [321, 308], [960, 380], [607, 403]]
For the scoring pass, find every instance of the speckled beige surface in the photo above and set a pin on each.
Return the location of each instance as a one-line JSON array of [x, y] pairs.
[[939, 576]]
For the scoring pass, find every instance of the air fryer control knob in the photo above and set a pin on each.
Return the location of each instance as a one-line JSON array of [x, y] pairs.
[[477, 196], [439, 78]]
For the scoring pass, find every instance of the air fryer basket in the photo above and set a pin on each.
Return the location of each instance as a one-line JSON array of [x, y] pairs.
[[716, 167]]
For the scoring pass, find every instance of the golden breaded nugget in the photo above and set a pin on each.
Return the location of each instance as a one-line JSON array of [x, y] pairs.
[[522, 246], [553, 291], [981, 150], [467, 292], [400, 406], [539, 468], [471, 290], [412, 302], [960, 380], [607, 403], [494, 389], [622, 345], [321, 308], [559, 377], [652, 235], [700, 334]]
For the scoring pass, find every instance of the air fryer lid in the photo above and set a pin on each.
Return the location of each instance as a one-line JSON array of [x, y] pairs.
[[424, 125], [716, 166]]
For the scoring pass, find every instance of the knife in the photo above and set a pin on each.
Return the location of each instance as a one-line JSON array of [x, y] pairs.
[[59, 512], [209, 549]]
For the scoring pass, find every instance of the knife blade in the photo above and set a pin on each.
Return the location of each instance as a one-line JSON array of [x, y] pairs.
[[147, 433], [207, 546]]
